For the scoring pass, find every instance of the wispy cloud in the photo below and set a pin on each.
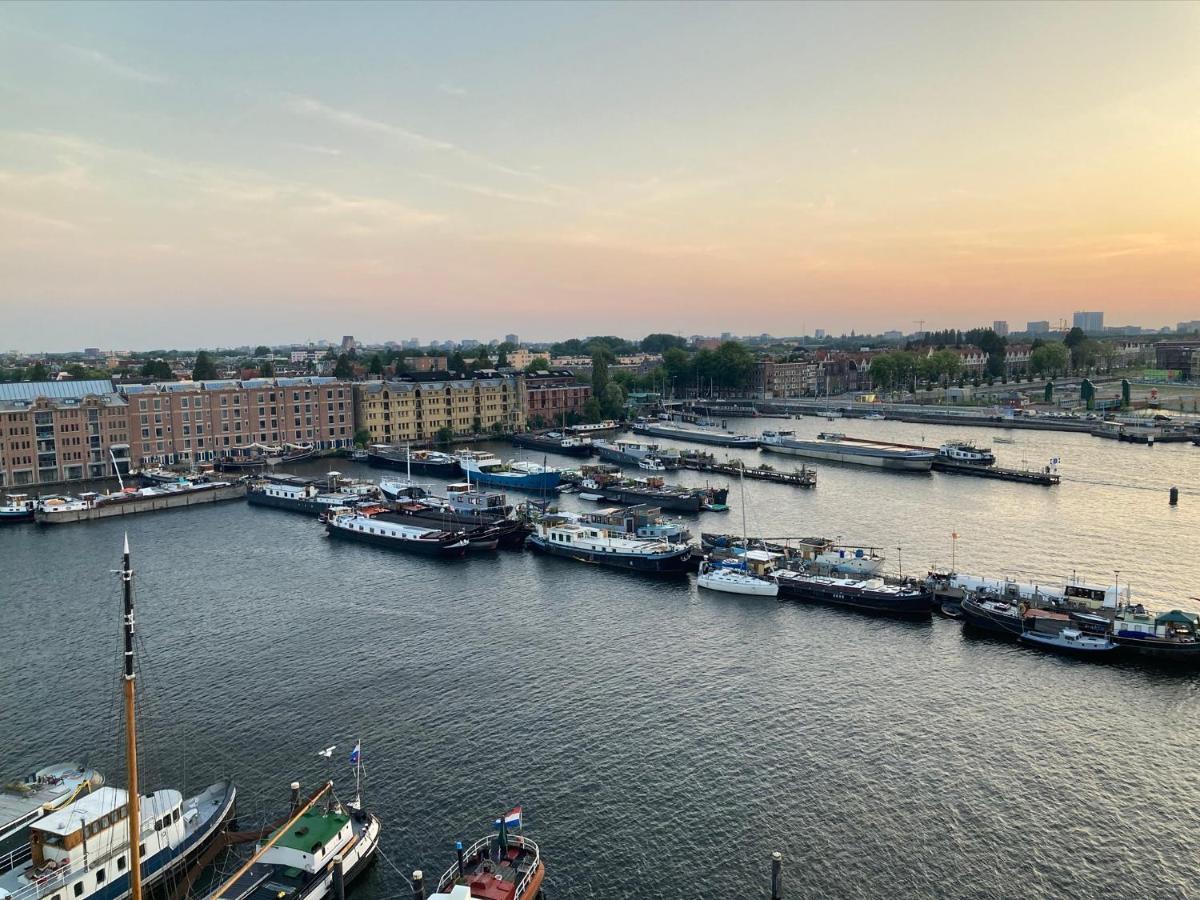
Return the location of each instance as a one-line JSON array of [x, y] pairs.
[[307, 106], [485, 191], [452, 89], [111, 66], [316, 148]]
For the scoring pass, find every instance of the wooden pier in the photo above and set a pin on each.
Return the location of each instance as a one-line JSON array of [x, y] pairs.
[[704, 462], [1024, 476]]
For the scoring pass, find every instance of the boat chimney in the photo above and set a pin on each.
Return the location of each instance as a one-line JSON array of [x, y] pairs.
[[462, 865], [295, 796], [418, 885], [776, 876], [339, 879]]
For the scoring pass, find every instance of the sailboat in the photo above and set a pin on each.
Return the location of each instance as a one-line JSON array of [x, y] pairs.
[[740, 578], [82, 851], [317, 853]]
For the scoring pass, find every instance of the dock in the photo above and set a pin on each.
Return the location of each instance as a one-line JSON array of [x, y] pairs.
[[704, 462], [1023, 476], [138, 505]]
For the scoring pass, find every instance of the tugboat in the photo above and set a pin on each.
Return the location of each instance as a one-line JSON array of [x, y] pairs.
[[496, 867], [1055, 631], [82, 850], [575, 538], [966, 452], [873, 595], [19, 508], [364, 525], [315, 853]]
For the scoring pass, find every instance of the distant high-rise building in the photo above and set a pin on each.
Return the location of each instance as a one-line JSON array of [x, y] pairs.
[[1042, 327], [1089, 321], [892, 335], [412, 344], [725, 335], [1188, 327], [1000, 327], [819, 334], [348, 342], [468, 344], [514, 339]]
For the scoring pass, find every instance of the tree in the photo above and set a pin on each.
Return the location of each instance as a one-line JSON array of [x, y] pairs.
[[157, 369], [457, 362], [1074, 337], [444, 436], [362, 437], [661, 343], [538, 364], [883, 372], [501, 357], [482, 360], [375, 366], [267, 369], [600, 380], [1083, 354], [1051, 358], [262, 350], [734, 364], [344, 370], [204, 369], [613, 402], [592, 411]]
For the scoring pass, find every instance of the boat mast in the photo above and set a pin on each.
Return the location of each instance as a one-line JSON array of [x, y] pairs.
[[131, 767], [745, 539]]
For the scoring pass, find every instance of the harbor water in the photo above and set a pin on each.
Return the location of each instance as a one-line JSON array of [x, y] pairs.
[[662, 740]]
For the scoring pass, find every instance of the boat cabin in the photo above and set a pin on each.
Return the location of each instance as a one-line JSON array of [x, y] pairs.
[[311, 841], [464, 499], [91, 835]]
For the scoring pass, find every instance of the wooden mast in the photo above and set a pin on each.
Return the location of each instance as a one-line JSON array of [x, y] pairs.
[[131, 766]]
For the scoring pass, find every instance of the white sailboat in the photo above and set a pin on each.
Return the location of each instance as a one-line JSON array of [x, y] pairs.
[[743, 579]]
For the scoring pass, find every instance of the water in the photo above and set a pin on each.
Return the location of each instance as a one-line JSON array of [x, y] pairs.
[[663, 741]]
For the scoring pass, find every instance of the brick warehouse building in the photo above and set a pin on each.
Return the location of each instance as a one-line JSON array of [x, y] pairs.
[[552, 396], [200, 420], [54, 431]]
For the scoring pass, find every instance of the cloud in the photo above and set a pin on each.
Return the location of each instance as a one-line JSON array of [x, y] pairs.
[[452, 89], [315, 148], [307, 106], [110, 65], [485, 191]]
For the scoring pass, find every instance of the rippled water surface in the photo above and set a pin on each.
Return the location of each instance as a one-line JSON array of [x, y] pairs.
[[662, 740]]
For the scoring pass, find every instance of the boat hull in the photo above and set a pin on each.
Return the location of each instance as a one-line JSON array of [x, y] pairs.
[[975, 615], [439, 469], [1054, 644], [536, 482], [715, 439], [747, 589], [675, 562], [509, 533], [1172, 652], [549, 445], [686, 503], [9, 517], [833, 454], [910, 606], [438, 549], [307, 505]]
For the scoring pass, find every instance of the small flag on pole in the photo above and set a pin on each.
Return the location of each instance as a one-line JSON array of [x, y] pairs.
[[512, 820], [356, 754]]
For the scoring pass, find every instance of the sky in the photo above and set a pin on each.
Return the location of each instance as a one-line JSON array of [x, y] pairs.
[[218, 174]]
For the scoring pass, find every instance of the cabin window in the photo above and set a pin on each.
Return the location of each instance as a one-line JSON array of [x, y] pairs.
[[158, 824], [120, 863], [100, 875], [175, 816], [79, 889], [142, 850]]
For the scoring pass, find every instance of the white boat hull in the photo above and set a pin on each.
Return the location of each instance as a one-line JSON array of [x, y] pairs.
[[749, 587]]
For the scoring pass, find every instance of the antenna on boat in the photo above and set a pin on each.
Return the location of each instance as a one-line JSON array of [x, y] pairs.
[[131, 767]]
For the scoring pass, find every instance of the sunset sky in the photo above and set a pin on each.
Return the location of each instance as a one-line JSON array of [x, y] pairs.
[[216, 174]]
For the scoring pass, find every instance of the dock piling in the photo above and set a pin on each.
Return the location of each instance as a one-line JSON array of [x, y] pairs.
[[295, 796], [339, 879], [776, 876], [418, 885], [1174, 496]]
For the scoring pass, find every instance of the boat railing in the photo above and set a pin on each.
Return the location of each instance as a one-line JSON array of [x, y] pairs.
[[15, 858], [480, 847], [42, 885]]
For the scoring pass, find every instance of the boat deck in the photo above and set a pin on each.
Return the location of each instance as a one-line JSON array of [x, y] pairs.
[[496, 876]]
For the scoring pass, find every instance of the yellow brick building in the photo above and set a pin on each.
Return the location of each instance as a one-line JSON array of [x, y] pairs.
[[399, 411]]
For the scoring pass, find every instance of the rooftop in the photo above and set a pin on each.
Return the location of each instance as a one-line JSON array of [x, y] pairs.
[[314, 827], [65, 390]]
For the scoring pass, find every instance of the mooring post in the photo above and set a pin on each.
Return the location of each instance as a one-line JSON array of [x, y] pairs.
[[776, 876], [418, 883], [339, 879]]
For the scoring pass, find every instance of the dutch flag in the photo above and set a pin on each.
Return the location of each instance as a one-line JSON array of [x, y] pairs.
[[512, 820]]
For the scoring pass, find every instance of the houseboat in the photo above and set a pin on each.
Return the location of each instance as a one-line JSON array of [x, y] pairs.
[[836, 447]]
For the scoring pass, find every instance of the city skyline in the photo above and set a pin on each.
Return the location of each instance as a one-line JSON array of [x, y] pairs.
[[398, 170]]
